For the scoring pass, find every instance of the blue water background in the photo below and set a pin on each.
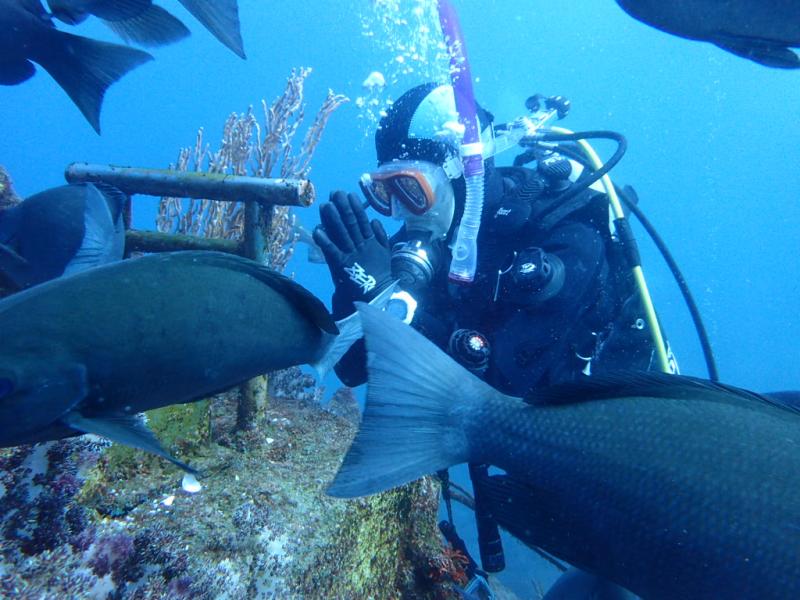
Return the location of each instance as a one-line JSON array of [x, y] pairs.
[[713, 142]]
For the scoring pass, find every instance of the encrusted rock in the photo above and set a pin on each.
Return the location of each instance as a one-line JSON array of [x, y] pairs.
[[344, 405], [261, 528]]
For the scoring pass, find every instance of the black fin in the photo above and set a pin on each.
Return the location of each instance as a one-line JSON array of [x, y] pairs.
[[129, 430], [642, 384], [16, 71], [75, 12], [152, 27], [765, 52], [117, 10], [221, 18], [85, 68], [68, 12], [296, 293]]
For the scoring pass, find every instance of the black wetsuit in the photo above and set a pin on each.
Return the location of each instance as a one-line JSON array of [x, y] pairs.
[[593, 324]]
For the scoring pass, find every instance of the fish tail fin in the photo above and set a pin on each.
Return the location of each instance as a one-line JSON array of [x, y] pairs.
[[154, 26], [350, 332], [418, 403], [85, 68], [221, 18]]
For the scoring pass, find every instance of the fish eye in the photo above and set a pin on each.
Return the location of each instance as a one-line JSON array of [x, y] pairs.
[[6, 387]]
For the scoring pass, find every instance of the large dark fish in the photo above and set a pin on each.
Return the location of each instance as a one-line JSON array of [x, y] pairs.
[[759, 30], [146, 23], [87, 352], [672, 487], [61, 231], [83, 67]]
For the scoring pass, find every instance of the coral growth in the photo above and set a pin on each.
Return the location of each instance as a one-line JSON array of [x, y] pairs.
[[249, 147]]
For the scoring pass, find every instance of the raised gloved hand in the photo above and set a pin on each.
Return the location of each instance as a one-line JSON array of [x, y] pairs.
[[356, 250]]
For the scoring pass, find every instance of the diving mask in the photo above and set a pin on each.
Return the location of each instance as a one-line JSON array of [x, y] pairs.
[[407, 186]]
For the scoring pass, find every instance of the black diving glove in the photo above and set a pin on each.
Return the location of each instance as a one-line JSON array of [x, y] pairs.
[[356, 250]]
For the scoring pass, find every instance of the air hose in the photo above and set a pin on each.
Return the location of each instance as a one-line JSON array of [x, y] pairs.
[[601, 174], [694, 311]]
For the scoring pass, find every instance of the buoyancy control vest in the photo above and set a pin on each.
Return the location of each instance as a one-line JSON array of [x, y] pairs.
[[589, 321]]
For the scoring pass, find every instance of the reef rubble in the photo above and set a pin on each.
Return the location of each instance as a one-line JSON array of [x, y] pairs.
[[84, 519]]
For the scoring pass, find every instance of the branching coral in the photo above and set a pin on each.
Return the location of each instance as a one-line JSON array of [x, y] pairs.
[[249, 147]]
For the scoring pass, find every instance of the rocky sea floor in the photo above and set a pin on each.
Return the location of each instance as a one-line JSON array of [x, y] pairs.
[[85, 519]]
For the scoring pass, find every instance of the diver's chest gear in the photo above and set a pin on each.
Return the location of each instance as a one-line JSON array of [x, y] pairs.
[[556, 170], [417, 260], [470, 348], [532, 277], [414, 263]]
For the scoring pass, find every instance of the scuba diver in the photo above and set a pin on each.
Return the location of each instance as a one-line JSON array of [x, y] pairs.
[[553, 297], [527, 275]]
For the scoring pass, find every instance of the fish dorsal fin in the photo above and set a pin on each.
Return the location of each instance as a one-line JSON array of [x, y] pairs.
[[296, 294], [640, 384]]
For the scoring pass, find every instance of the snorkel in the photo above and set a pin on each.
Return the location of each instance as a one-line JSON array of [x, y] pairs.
[[465, 249]]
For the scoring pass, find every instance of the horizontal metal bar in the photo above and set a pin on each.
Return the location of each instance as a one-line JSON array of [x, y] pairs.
[[155, 241], [190, 184]]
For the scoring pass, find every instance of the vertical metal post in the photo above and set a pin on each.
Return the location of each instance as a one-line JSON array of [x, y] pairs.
[[253, 246], [257, 221]]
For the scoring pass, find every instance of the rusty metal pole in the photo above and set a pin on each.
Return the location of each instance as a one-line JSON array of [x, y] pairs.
[[253, 248]]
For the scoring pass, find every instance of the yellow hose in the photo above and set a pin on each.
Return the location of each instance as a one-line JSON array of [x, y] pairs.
[[638, 274]]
